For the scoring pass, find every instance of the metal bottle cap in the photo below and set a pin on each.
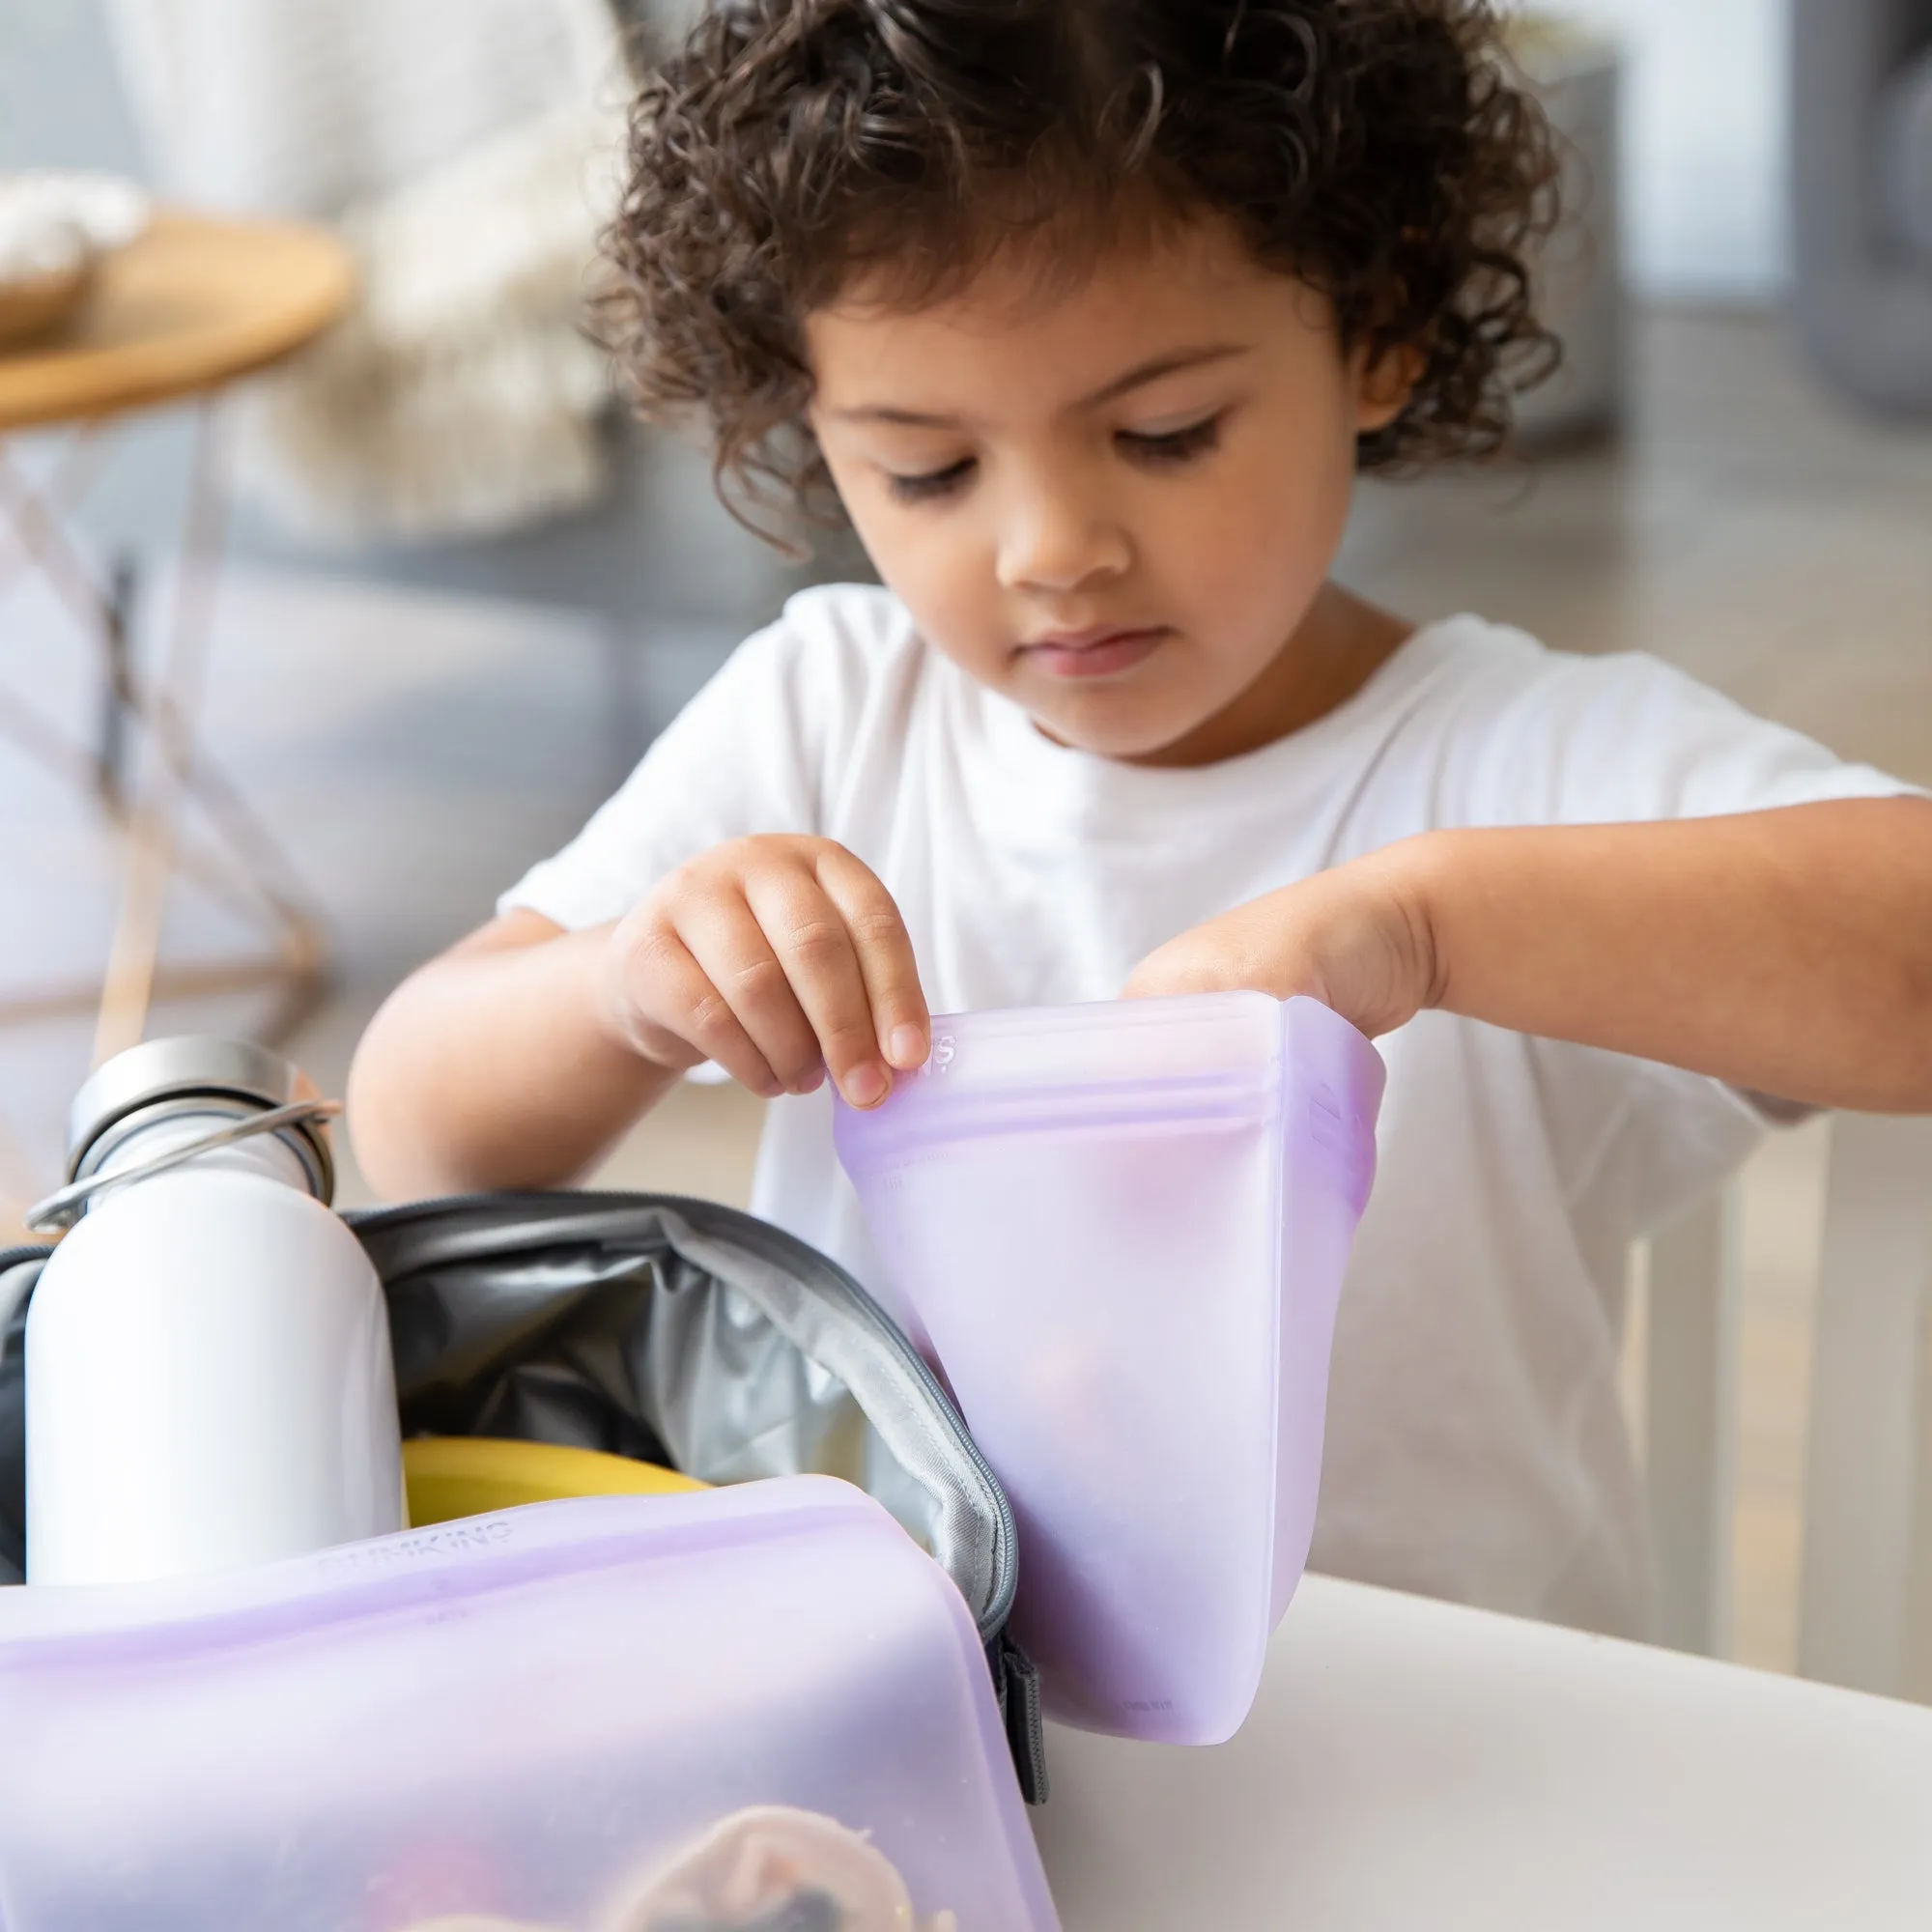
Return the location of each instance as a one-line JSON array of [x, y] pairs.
[[240, 1076]]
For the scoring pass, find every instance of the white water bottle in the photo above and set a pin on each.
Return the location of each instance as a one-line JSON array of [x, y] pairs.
[[209, 1379]]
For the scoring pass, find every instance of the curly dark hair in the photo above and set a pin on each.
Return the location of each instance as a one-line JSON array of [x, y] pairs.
[[1379, 149]]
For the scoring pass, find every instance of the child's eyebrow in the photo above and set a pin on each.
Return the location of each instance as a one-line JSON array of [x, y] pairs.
[[1153, 370], [1138, 377]]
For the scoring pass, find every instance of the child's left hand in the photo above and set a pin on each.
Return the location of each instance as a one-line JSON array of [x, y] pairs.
[[1356, 938]]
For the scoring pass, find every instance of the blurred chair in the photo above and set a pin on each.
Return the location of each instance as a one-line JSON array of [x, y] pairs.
[[1861, 180], [1867, 1590], [1866, 1602]]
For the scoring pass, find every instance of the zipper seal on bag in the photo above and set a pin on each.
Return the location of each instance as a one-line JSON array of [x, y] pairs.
[[1234, 1099]]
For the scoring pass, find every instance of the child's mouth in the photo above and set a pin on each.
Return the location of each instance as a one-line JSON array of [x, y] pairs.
[[1096, 653]]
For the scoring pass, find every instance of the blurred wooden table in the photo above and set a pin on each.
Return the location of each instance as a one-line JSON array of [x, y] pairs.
[[177, 315]]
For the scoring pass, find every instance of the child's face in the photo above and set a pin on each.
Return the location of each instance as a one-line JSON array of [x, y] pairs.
[[1115, 505]]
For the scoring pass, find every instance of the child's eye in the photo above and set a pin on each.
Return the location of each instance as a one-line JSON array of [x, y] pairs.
[[1175, 445], [933, 483]]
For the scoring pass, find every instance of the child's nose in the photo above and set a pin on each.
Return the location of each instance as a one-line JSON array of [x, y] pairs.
[[1056, 542]]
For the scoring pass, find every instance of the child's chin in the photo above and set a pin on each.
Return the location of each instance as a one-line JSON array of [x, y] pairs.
[[1129, 734]]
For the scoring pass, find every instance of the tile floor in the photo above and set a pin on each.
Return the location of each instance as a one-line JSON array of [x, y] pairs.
[[414, 752]]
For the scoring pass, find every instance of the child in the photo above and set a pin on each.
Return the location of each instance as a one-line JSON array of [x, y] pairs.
[[1089, 311]]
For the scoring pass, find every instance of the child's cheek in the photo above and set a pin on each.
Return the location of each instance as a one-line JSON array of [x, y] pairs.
[[945, 574]]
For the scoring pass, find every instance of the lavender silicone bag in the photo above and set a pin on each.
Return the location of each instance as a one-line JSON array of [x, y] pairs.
[[760, 1705], [1122, 1229]]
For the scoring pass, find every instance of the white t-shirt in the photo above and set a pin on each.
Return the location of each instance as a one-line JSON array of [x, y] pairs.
[[1475, 1446]]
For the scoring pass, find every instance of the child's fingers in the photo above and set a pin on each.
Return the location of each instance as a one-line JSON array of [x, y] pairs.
[[731, 945], [808, 934], [901, 1021], [672, 1004]]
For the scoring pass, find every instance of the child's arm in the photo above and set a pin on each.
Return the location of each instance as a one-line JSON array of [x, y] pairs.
[[1788, 953], [521, 1055]]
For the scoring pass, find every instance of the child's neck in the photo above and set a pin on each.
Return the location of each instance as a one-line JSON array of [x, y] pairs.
[[1336, 648]]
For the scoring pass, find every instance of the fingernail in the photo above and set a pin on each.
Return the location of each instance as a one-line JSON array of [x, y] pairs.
[[907, 1046], [865, 1086]]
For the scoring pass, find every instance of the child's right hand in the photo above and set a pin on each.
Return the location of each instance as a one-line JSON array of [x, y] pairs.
[[779, 958]]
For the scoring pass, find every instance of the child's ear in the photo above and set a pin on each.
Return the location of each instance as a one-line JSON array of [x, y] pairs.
[[1384, 386]]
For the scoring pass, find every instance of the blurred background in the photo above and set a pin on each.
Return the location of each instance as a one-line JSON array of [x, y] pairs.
[[456, 594]]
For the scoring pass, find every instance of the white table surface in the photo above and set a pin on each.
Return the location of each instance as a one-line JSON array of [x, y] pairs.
[[1419, 1766]]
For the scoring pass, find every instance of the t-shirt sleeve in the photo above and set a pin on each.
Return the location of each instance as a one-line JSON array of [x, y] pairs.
[[748, 755], [1627, 738]]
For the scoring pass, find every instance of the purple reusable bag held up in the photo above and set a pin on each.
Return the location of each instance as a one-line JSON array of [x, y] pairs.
[[1122, 1229]]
